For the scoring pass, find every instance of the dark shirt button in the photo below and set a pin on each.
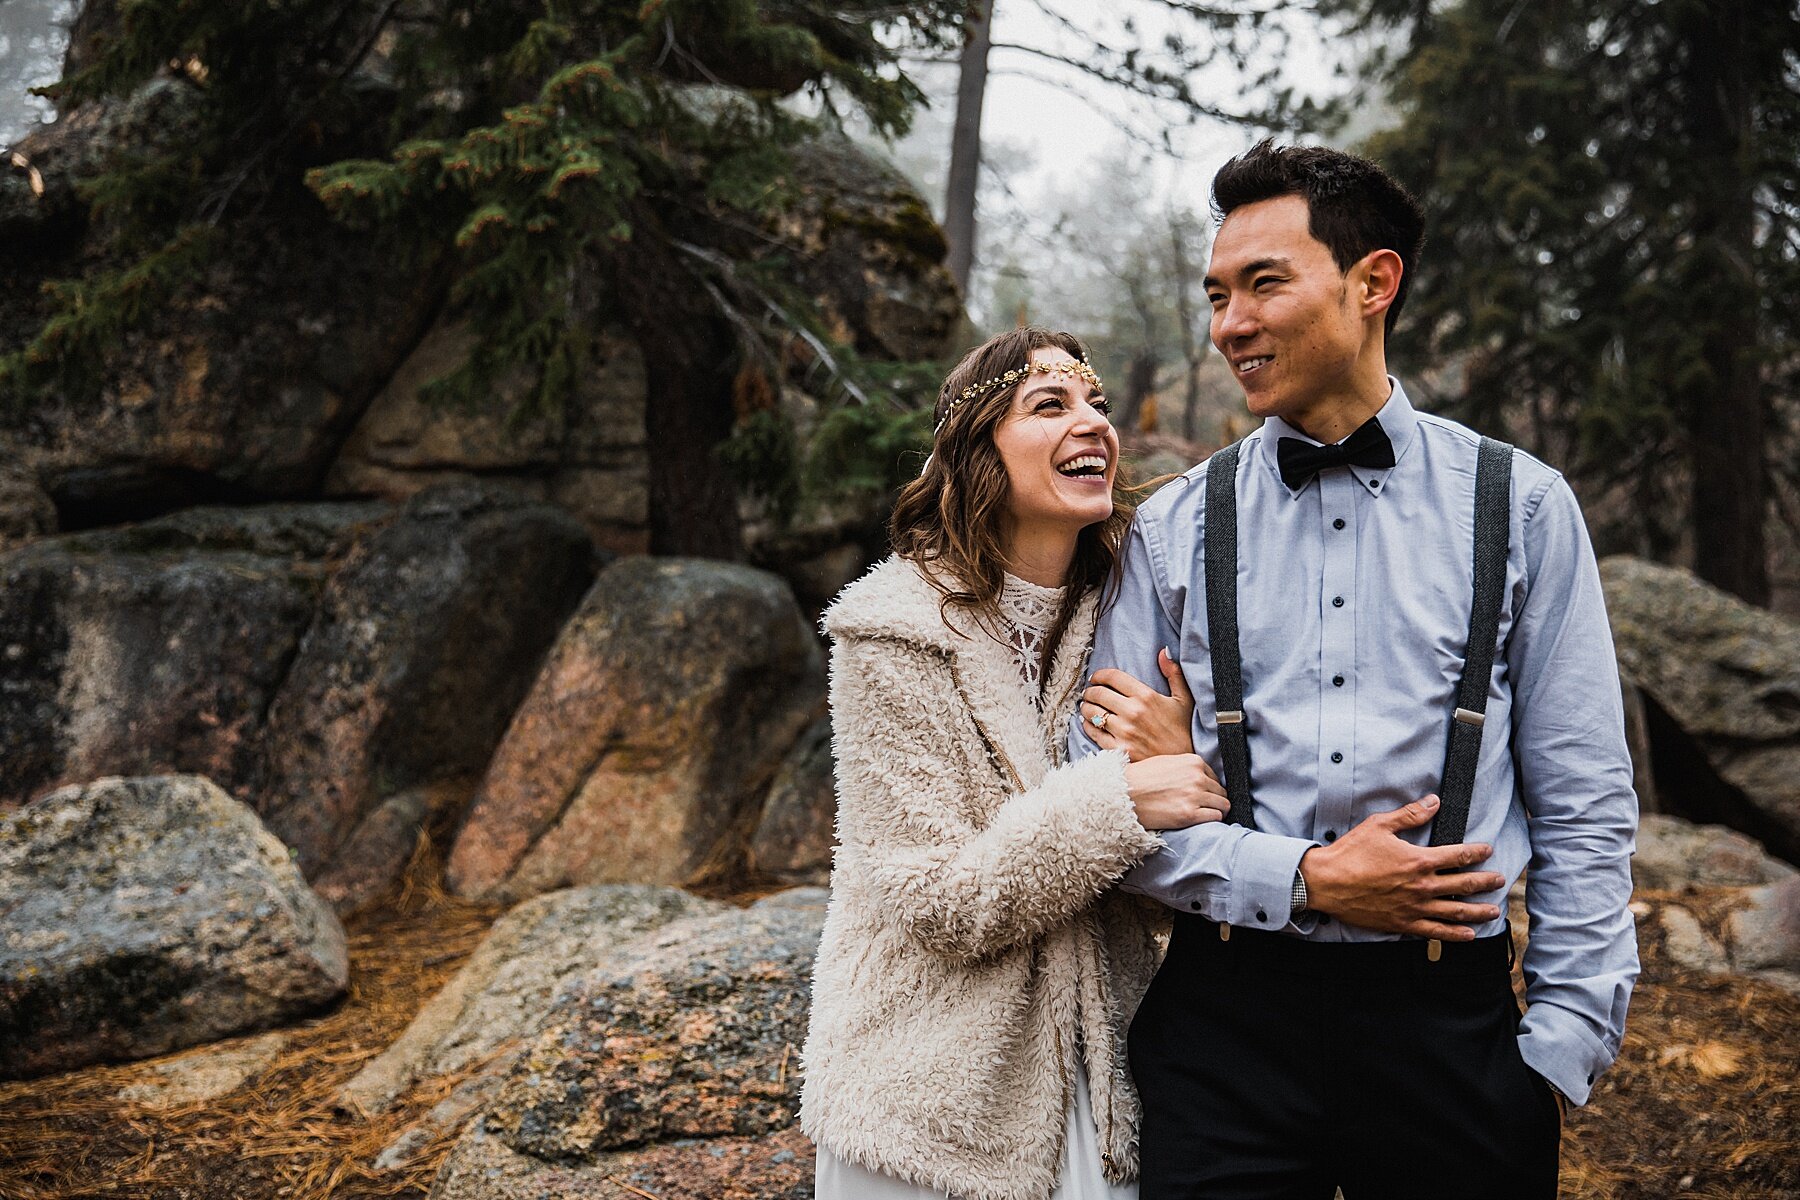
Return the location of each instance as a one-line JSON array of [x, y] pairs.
[[1195, 905], [1337, 756], [1337, 681], [1590, 1079], [1337, 602], [1374, 483], [1261, 915], [1331, 835], [1338, 524]]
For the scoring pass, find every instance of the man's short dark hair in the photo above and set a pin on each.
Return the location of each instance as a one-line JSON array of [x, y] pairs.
[[1355, 206]]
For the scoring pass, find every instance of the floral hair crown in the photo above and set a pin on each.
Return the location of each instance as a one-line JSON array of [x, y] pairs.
[[1066, 368]]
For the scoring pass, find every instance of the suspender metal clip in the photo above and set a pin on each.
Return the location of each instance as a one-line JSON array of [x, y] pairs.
[[1471, 718], [1434, 950], [1231, 716]]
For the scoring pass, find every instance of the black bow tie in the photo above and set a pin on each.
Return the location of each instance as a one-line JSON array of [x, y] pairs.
[[1300, 461]]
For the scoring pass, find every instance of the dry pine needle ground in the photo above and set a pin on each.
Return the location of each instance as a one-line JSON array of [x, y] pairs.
[[1704, 1101], [280, 1134]]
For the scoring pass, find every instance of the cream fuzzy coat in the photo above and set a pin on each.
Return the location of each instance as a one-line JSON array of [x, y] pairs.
[[971, 935]]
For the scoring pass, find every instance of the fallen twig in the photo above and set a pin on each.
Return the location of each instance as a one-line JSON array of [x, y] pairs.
[[636, 1191]]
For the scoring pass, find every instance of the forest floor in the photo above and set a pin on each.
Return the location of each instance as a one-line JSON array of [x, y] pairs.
[[1703, 1102]]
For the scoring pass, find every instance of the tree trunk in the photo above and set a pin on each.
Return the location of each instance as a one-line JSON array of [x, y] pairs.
[[1140, 369], [1140, 381], [1184, 314], [965, 142], [688, 352], [1726, 407]]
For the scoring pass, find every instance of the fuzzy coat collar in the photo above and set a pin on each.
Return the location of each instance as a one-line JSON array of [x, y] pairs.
[[895, 602]]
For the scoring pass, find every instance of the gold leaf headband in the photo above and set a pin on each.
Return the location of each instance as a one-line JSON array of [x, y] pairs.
[[1066, 368]]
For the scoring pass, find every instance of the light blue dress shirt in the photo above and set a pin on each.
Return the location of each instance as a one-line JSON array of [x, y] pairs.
[[1353, 612]]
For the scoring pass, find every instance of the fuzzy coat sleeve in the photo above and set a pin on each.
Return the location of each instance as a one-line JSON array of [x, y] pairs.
[[961, 885]]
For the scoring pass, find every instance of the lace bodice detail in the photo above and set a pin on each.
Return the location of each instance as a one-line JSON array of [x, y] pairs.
[[1027, 612]]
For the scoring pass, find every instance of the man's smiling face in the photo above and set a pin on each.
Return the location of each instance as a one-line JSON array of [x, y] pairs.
[[1283, 314]]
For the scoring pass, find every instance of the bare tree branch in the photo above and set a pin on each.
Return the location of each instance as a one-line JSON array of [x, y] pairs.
[[1148, 82], [1160, 145], [728, 271]]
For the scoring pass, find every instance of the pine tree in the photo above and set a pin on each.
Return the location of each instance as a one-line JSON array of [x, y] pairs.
[[1614, 223], [572, 161]]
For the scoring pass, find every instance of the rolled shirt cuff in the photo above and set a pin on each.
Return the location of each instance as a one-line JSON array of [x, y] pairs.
[[1558, 1045]]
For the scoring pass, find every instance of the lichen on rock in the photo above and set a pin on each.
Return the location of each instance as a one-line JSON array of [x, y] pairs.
[[697, 1037], [149, 914]]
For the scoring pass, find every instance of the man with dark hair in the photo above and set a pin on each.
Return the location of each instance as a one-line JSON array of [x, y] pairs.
[[1353, 206], [1401, 664]]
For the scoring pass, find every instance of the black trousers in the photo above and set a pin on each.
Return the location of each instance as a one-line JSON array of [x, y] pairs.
[[1278, 1069]]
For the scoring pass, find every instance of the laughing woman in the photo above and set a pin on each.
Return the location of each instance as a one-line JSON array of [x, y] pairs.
[[976, 974]]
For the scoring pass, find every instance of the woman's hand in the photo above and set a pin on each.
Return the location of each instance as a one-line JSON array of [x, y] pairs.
[[1173, 791], [1137, 718]]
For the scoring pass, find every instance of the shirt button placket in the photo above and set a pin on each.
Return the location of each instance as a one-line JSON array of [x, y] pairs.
[[1338, 496]]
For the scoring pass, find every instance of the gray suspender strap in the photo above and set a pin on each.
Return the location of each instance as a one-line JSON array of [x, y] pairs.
[[1493, 508], [1222, 630]]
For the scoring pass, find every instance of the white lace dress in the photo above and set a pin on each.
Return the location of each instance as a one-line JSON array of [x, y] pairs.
[[1028, 612]]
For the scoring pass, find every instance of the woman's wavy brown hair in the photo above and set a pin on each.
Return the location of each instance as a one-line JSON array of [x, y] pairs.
[[950, 520]]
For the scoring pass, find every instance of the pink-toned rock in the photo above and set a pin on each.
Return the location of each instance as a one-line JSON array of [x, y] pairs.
[[696, 1035], [645, 747], [794, 839], [777, 1166], [423, 643], [344, 669], [503, 994], [586, 456]]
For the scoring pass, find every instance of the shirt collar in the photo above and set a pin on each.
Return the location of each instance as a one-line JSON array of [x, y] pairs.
[[1398, 420]]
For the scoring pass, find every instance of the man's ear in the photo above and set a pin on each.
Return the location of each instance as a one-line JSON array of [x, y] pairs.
[[1377, 278]]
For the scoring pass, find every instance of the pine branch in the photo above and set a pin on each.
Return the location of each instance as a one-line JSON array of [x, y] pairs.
[[729, 270], [214, 208]]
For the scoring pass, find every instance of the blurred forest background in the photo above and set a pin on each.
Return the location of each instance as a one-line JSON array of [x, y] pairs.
[[1610, 278], [430, 429]]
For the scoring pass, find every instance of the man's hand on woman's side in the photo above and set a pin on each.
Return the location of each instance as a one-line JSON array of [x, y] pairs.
[[1373, 878], [1369, 877], [1135, 717]]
